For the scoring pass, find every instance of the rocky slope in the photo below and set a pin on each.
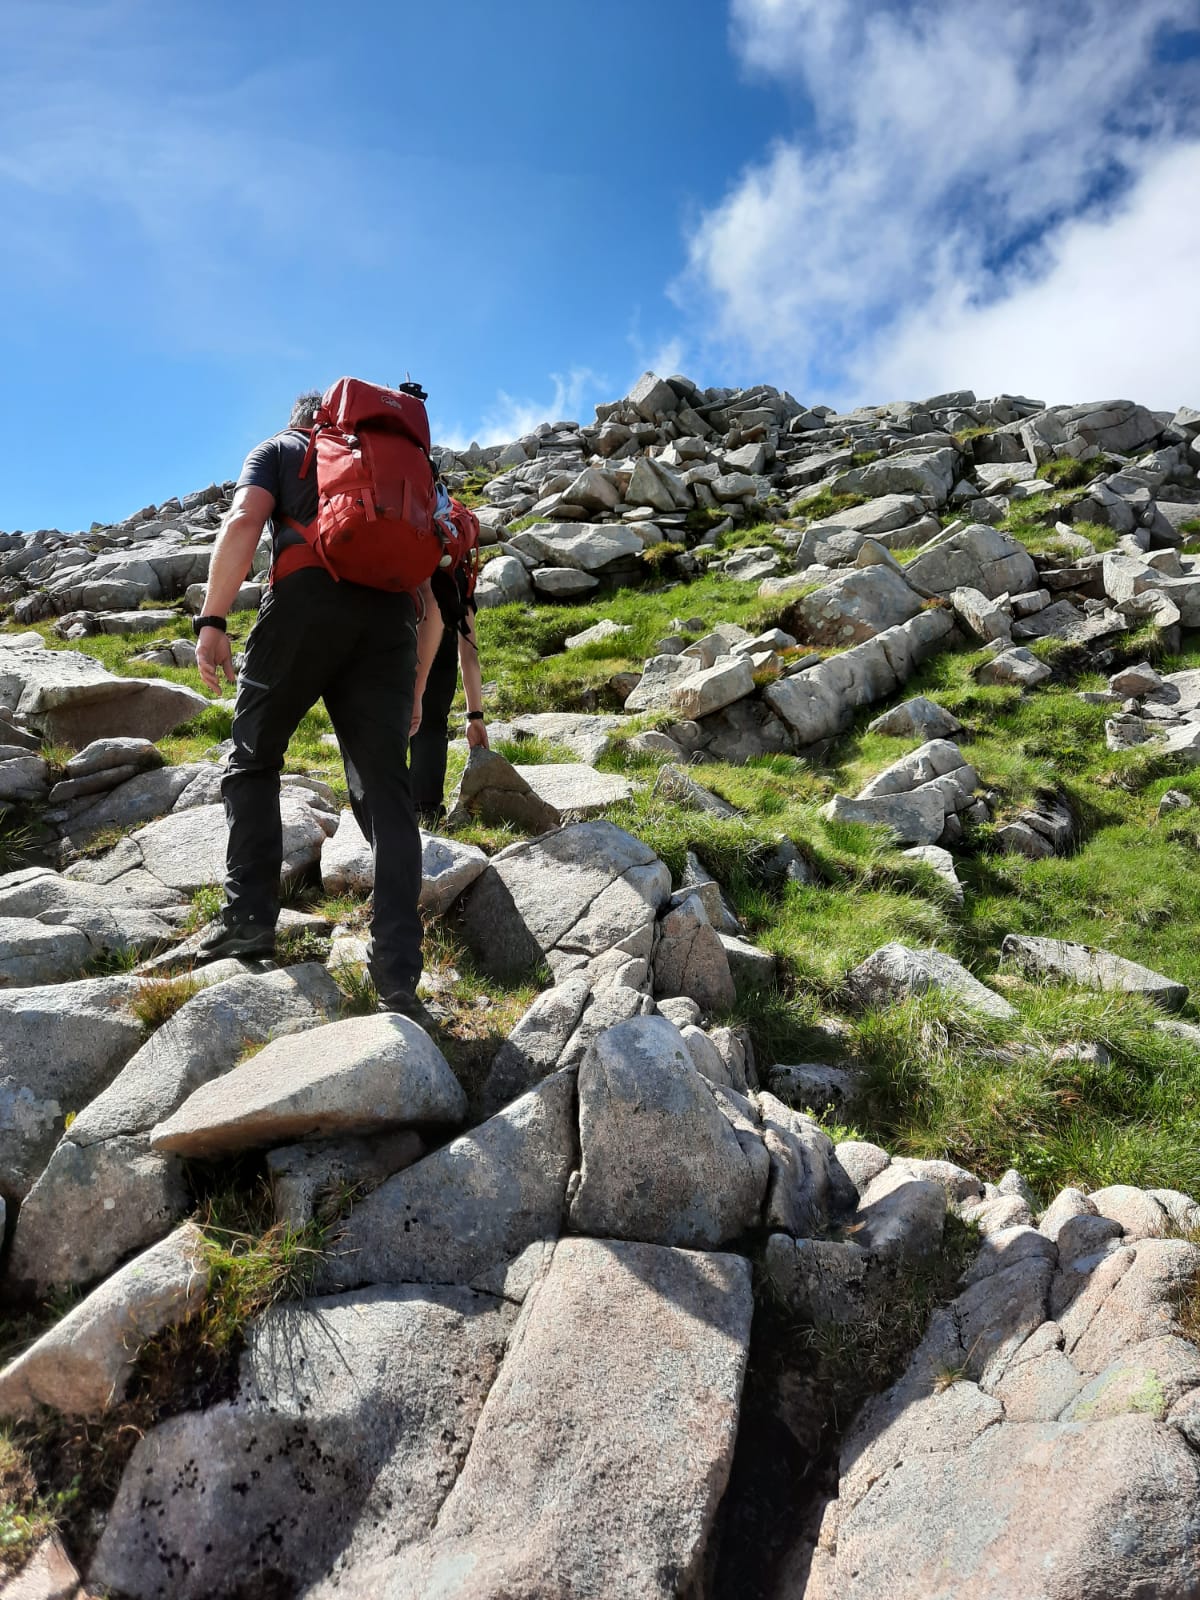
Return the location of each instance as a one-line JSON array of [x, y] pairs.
[[581, 1297]]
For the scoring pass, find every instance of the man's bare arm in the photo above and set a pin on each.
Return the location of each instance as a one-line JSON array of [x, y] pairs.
[[472, 678], [231, 558]]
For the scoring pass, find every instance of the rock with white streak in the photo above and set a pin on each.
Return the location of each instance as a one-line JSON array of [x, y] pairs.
[[80, 1367]]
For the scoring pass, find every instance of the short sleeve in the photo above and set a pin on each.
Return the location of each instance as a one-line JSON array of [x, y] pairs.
[[261, 469]]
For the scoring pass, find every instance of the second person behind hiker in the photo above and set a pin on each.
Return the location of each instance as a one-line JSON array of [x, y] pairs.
[[454, 589]]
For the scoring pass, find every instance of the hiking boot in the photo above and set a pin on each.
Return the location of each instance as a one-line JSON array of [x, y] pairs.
[[244, 941], [406, 1004]]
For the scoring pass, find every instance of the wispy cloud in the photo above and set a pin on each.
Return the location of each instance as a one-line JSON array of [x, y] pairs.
[[511, 416], [953, 150]]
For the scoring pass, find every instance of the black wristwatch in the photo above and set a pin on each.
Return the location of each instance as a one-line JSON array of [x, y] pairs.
[[207, 622]]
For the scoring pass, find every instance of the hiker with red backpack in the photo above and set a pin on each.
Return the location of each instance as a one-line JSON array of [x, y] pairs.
[[348, 493], [453, 585]]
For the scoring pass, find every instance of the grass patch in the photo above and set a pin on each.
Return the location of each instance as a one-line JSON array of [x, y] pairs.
[[158, 999], [822, 504], [942, 1082], [1068, 472], [26, 1515]]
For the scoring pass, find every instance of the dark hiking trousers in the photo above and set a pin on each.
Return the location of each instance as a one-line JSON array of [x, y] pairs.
[[356, 648], [428, 747]]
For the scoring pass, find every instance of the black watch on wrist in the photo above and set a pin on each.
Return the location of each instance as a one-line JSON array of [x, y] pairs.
[[207, 622]]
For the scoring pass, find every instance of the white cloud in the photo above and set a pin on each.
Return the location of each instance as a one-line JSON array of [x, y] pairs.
[[1111, 316], [511, 416], [951, 150]]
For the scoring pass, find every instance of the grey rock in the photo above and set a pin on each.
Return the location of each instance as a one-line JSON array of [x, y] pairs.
[[597, 634], [806, 1185], [711, 689], [63, 1043], [861, 1161], [930, 474], [660, 678], [39, 953], [23, 778], [900, 1217], [492, 790], [1068, 1203], [917, 718], [81, 1365], [504, 581], [577, 892], [661, 1160], [895, 972], [574, 790], [72, 699], [1017, 666], [363, 1075], [1093, 969], [204, 1038], [750, 967], [308, 1180], [822, 700], [1056, 1493], [822, 1281], [187, 849], [92, 1206], [629, 1357], [470, 1206], [983, 617], [691, 959], [347, 861], [586, 547], [977, 557], [140, 799], [563, 583], [586, 737], [351, 1423], [536, 1044], [858, 605], [678, 786]]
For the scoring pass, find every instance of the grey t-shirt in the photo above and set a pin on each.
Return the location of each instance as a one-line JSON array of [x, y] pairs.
[[275, 466]]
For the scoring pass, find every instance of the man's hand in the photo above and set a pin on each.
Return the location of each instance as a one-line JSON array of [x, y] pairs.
[[415, 724], [214, 656], [477, 737]]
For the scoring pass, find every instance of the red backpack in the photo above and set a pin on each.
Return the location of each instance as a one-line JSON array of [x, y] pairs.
[[375, 483], [458, 569]]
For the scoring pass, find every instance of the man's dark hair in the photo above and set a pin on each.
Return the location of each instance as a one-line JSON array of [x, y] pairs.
[[305, 409]]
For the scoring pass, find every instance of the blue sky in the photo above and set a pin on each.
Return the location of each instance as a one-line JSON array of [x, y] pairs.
[[524, 203]]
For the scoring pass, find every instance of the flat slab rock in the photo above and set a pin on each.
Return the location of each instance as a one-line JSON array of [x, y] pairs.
[[363, 1075], [1094, 969], [625, 1376], [573, 788]]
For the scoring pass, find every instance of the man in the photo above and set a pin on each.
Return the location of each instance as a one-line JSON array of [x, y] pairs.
[[315, 638], [454, 591]]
